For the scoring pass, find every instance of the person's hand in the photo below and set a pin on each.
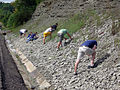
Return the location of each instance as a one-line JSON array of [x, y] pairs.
[[71, 38], [65, 38]]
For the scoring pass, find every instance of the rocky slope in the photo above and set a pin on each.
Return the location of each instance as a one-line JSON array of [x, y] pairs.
[[51, 11], [58, 66]]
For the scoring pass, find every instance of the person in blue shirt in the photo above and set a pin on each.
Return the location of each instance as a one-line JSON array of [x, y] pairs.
[[88, 48], [29, 35], [32, 37]]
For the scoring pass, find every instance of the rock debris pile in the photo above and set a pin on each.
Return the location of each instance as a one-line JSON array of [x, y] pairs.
[[58, 66]]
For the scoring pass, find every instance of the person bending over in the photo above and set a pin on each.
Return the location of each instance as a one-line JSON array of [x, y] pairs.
[[88, 48], [61, 34], [32, 37], [23, 32], [48, 32]]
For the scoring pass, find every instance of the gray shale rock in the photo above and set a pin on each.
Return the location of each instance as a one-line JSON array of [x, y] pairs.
[[58, 66]]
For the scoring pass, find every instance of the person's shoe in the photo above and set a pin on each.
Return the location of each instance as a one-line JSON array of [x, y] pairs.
[[93, 66], [75, 73], [57, 49]]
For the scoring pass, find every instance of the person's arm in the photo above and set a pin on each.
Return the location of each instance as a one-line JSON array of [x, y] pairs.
[[69, 35], [24, 34], [36, 36], [65, 38], [95, 47], [93, 55], [93, 58]]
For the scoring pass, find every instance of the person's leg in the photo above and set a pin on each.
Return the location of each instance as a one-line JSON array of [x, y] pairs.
[[76, 65], [80, 55], [91, 53], [35, 38], [60, 42], [21, 35], [44, 35], [28, 40], [93, 58]]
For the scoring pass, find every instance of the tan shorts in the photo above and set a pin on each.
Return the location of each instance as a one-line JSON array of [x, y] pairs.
[[84, 50], [46, 34]]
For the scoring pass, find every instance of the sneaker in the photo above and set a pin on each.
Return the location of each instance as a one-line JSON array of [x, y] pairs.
[[75, 73], [91, 66], [57, 49]]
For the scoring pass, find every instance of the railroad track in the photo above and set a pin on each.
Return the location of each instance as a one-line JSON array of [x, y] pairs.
[[10, 78]]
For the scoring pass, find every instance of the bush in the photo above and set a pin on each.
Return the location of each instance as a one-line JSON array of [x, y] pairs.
[[13, 21]]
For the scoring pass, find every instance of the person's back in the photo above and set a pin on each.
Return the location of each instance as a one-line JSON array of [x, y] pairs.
[[89, 43], [23, 30], [63, 31], [48, 30], [29, 35], [33, 35]]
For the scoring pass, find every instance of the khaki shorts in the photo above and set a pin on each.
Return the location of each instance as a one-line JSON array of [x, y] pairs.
[[84, 50], [46, 34]]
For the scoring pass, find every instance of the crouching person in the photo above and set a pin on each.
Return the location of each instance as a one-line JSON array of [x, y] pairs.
[[32, 37], [29, 35], [61, 34], [23, 32], [88, 48]]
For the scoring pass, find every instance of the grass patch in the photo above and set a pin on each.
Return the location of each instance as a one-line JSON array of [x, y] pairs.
[[77, 22], [73, 24]]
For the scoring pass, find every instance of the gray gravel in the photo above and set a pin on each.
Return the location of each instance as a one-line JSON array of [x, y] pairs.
[[58, 66]]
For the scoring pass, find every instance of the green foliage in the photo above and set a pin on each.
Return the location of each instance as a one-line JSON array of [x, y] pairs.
[[23, 12], [6, 10], [14, 20], [74, 24]]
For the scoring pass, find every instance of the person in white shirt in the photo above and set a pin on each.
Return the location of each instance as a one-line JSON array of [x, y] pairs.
[[47, 32], [23, 32]]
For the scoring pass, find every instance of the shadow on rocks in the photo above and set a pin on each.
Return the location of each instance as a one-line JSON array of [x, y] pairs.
[[101, 60], [67, 42]]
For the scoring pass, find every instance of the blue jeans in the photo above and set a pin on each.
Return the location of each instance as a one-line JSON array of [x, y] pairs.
[[30, 39]]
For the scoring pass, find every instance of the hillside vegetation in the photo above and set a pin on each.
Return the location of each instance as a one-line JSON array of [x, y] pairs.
[[70, 14], [17, 13], [6, 10]]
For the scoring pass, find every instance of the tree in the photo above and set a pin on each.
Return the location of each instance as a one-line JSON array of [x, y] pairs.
[[6, 10], [23, 12]]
